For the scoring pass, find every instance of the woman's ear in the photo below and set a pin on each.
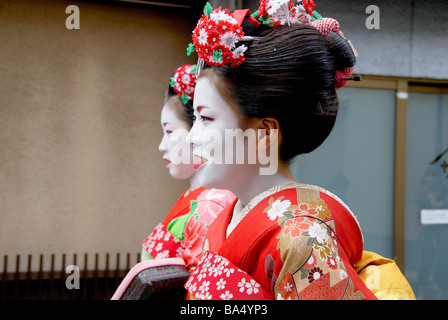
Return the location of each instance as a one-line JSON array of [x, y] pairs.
[[268, 142], [268, 133]]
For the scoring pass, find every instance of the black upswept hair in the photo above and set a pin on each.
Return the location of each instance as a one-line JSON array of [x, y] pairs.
[[288, 74]]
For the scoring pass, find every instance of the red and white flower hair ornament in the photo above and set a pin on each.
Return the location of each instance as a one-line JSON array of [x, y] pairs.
[[281, 12], [184, 81], [216, 36]]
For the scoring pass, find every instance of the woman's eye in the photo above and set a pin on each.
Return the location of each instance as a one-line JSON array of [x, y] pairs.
[[203, 118], [168, 132]]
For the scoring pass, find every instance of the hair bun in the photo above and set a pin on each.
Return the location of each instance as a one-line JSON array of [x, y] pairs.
[[343, 52], [341, 49], [344, 56]]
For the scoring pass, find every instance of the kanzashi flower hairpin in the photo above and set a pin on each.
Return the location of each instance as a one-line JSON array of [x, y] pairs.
[[215, 38], [184, 81], [281, 12], [218, 32]]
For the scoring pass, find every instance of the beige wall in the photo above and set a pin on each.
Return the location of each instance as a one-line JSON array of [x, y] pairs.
[[79, 126]]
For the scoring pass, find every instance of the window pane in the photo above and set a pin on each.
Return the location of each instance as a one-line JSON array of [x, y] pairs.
[[427, 189], [357, 162]]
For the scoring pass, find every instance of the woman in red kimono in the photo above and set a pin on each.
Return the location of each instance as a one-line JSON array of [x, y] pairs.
[[272, 75], [182, 232]]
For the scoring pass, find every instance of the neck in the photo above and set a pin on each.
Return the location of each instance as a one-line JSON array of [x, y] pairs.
[[257, 183], [194, 182]]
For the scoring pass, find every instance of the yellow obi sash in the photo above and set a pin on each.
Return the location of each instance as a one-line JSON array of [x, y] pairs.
[[383, 277]]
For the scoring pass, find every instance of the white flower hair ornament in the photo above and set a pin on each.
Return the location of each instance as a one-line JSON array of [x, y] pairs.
[[184, 81], [281, 12]]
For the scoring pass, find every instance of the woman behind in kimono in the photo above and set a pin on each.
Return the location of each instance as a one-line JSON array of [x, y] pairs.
[[274, 74], [182, 232]]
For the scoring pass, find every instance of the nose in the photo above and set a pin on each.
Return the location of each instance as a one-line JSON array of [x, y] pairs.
[[162, 146], [193, 136]]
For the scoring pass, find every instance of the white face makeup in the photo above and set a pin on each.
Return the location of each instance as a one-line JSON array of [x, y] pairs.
[[173, 142], [215, 158]]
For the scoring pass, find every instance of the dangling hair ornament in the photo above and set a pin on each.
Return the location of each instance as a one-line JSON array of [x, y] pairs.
[[216, 36], [184, 81]]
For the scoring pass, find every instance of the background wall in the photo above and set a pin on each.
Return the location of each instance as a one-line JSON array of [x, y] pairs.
[[80, 171]]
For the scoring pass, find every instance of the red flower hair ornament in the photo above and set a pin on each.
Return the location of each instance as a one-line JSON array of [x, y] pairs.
[[184, 81], [217, 34]]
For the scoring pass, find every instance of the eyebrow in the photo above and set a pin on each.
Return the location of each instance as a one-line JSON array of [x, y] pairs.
[[199, 108]]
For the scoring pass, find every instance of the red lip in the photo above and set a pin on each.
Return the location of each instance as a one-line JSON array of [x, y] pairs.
[[197, 165], [168, 162], [199, 161]]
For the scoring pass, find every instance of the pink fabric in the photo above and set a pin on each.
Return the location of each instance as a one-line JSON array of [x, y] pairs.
[[140, 267], [211, 202], [194, 236]]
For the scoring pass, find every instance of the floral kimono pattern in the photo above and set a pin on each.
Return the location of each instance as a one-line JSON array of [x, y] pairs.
[[182, 232], [293, 241], [219, 274]]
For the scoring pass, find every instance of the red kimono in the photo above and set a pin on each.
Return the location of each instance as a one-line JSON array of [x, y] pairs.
[[293, 241], [182, 232]]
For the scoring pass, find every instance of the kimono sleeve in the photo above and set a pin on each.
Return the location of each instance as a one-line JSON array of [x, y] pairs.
[[311, 267]]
